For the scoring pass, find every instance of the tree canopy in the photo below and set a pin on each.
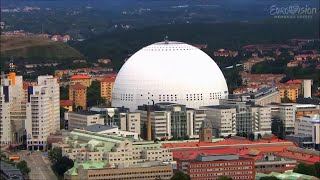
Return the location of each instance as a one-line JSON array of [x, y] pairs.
[[180, 176], [23, 167], [312, 170]]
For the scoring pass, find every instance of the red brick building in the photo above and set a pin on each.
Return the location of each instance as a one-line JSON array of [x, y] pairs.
[[206, 167]]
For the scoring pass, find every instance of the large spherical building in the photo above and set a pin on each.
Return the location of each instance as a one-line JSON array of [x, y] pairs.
[[169, 72]]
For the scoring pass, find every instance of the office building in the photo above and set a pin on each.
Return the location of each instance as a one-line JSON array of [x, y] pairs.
[[223, 119], [100, 170], [78, 95], [52, 85], [82, 119], [146, 78], [214, 166], [233, 116], [172, 120], [12, 108], [83, 146], [42, 112], [263, 96], [130, 122], [309, 125], [106, 87]]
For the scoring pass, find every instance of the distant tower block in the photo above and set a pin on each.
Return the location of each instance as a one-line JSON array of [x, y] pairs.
[[307, 88]]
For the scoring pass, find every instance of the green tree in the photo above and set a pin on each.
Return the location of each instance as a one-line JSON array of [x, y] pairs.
[[55, 154], [64, 92], [317, 168], [93, 94], [23, 167], [224, 178], [62, 165], [180, 176], [306, 169]]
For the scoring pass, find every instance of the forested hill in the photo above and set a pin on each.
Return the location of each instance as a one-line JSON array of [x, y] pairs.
[[221, 35]]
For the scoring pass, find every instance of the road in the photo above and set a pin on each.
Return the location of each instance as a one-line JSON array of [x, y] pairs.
[[39, 164]]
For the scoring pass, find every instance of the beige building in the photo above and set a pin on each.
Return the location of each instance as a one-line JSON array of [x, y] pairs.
[[223, 119], [82, 146], [80, 120], [78, 95], [130, 122], [106, 85], [82, 79], [100, 170]]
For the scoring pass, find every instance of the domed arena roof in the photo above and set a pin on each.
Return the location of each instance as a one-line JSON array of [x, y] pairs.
[[169, 71]]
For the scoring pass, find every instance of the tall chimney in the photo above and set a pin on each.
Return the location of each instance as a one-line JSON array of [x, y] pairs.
[[149, 138]]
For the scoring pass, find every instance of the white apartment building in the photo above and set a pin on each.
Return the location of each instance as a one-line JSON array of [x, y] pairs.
[[287, 116], [130, 122], [309, 125], [12, 109], [223, 119], [39, 117], [54, 92], [80, 120]]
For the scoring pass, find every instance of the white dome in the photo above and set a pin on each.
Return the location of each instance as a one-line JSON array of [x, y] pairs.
[[169, 72]]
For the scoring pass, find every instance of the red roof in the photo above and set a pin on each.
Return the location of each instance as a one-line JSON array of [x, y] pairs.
[[310, 159], [108, 79], [66, 103], [78, 86], [79, 76], [294, 81]]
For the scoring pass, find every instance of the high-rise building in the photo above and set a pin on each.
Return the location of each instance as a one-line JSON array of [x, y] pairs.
[[78, 94], [54, 92], [106, 86], [42, 112], [12, 108]]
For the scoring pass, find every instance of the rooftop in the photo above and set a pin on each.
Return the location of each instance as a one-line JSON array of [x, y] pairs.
[[286, 175], [79, 76], [66, 102], [99, 128], [78, 86]]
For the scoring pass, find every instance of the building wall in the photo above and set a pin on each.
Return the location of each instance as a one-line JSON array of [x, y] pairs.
[[78, 96], [85, 82], [54, 92], [287, 116], [290, 92], [40, 121], [223, 120], [236, 169], [147, 173], [309, 127], [12, 109], [130, 122], [79, 121], [106, 89]]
